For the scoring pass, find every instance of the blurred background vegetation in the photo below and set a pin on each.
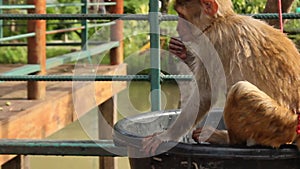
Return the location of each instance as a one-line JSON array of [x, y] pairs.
[[134, 40]]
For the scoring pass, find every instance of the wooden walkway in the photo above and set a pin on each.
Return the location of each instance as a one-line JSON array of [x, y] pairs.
[[36, 119]]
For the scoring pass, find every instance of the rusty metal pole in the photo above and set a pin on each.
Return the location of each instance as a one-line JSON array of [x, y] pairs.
[[37, 48], [108, 108], [116, 54]]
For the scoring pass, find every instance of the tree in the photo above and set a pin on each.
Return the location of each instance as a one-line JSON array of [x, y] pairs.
[[248, 6], [272, 7]]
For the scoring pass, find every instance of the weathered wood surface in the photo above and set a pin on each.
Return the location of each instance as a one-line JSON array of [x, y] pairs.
[[36, 119]]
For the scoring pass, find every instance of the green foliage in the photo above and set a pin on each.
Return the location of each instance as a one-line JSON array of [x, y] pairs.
[[15, 27], [63, 24], [14, 55], [171, 8], [136, 6], [249, 6]]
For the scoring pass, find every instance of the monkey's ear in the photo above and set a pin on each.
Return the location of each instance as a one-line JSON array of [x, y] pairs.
[[210, 7]]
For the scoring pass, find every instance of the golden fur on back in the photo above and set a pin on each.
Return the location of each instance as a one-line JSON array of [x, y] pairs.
[[261, 55], [262, 68], [262, 72]]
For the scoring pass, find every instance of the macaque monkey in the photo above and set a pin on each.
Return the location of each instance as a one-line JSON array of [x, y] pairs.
[[262, 69]]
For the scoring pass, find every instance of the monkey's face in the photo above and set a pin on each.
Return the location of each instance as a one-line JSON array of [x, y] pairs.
[[192, 18]]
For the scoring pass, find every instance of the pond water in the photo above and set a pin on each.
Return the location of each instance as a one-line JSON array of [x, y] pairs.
[[135, 99]]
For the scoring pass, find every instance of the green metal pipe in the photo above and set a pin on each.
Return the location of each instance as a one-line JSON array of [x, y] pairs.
[[9, 77], [84, 32], [57, 31], [60, 60], [23, 70], [17, 7], [48, 44], [102, 3], [54, 44], [5, 7], [64, 5], [71, 57], [1, 21], [154, 18], [101, 24], [74, 78], [122, 16], [61, 147], [26, 35]]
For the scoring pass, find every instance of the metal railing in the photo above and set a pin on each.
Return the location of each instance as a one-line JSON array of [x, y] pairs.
[[155, 77]]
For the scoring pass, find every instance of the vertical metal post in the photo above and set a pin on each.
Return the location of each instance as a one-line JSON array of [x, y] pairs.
[[1, 21], [107, 118], [37, 48], [84, 32], [116, 54], [155, 55], [280, 15]]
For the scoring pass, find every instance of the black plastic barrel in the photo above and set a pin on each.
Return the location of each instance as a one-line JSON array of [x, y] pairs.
[[188, 155]]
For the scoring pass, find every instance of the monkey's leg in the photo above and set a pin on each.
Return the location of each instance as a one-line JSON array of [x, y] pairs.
[[252, 117]]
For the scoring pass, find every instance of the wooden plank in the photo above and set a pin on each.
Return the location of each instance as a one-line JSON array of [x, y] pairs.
[[37, 119], [59, 60], [23, 70], [74, 56]]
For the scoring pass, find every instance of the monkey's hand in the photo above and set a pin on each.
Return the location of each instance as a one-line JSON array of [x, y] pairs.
[[214, 136], [152, 142], [177, 48]]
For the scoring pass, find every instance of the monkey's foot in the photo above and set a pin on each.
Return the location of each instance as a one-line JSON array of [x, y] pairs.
[[210, 135]]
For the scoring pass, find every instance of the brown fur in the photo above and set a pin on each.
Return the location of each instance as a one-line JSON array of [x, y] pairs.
[[256, 52], [252, 117], [262, 73]]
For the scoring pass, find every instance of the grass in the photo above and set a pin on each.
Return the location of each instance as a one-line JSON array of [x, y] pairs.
[[14, 55]]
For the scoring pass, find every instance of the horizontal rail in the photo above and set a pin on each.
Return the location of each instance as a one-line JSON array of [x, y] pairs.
[[102, 3], [92, 78], [122, 16], [17, 6], [61, 147], [71, 57], [27, 35], [72, 16], [48, 44], [60, 60], [23, 70], [64, 30], [4, 7], [81, 4], [101, 24], [74, 78], [54, 23], [54, 44]]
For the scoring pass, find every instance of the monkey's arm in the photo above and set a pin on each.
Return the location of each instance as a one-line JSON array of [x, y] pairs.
[[196, 100]]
